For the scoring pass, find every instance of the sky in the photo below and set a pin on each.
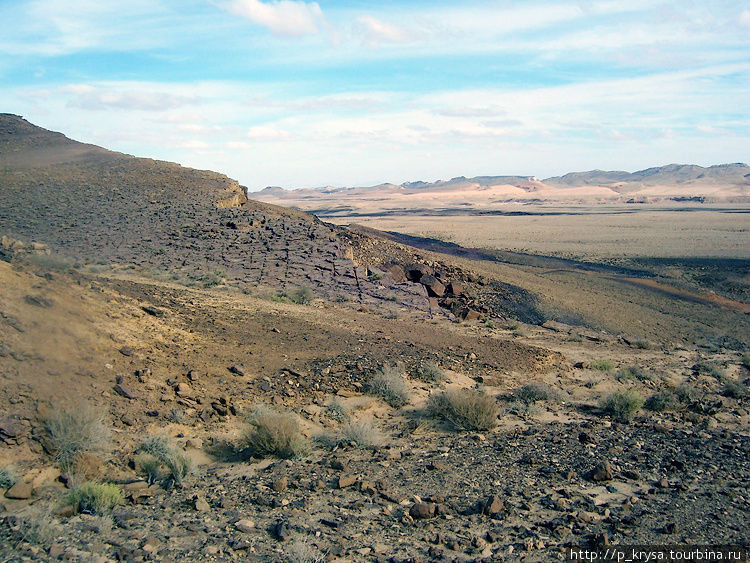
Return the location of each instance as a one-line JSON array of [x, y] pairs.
[[301, 94]]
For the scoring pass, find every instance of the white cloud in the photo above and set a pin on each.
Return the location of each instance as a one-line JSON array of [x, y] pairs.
[[283, 17], [745, 18], [267, 133], [374, 31]]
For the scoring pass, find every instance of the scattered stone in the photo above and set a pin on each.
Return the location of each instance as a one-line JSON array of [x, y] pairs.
[[422, 510], [245, 525], [346, 480], [280, 485], [200, 504], [126, 351], [671, 528], [281, 530], [120, 389], [492, 505], [153, 311], [602, 472], [237, 370]]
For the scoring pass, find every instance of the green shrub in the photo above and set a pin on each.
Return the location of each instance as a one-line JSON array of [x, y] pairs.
[[535, 391], [271, 433], [466, 409], [72, 430], [94, 498], [8, 478], [632, 373], [664, 401], [390, 385], [623, 405], [603, 365], [302, 296]]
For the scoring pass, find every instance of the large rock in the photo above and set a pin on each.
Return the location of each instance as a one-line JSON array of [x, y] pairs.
[[416, 271], [397, 273], [433, 285], [21, 490]]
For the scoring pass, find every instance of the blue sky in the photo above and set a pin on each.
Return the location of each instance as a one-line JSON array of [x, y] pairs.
[[300, 94]]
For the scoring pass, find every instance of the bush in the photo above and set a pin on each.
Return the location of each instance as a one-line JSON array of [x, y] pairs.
[[430, 371], [623, 405], [664, 401], [337, 410], [711, 369], [8, 478], [466, 409], [74, 430], [149, 467], [535, 391], [363, 433], [687, 393], [632, 373], [274, 433], [746, 360], [603, 365], [94, 498], [390, 385], [733, 388], [157, 454]]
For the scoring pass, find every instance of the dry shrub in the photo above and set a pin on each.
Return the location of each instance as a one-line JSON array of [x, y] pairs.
[[466, 409], [390, 385], [362, 433], [72, 430], [272, 433], [156, 455]]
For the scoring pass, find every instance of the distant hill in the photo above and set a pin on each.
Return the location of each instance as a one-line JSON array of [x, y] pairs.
[[674, 182]]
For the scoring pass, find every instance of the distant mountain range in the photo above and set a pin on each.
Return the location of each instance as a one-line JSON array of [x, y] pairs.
[[671, 183]]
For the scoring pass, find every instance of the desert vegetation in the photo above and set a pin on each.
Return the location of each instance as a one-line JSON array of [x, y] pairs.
[[465, 409]]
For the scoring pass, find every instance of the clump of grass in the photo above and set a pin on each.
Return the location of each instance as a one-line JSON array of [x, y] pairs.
[[745, 361], [390, 385], [632, 373], [54, 262], [623, 405], [301, 550], [430, 371], [72, 430], [643, 344], [94, 498], [603, 365], [686, 393], [535, 391], [733, 388], [363, 434], [664, 401], [36, 525], [8, 478], [176, 416], [711, 369], [302, 296], [337, 410], [157, 457], [466, 409], [272, 433]]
